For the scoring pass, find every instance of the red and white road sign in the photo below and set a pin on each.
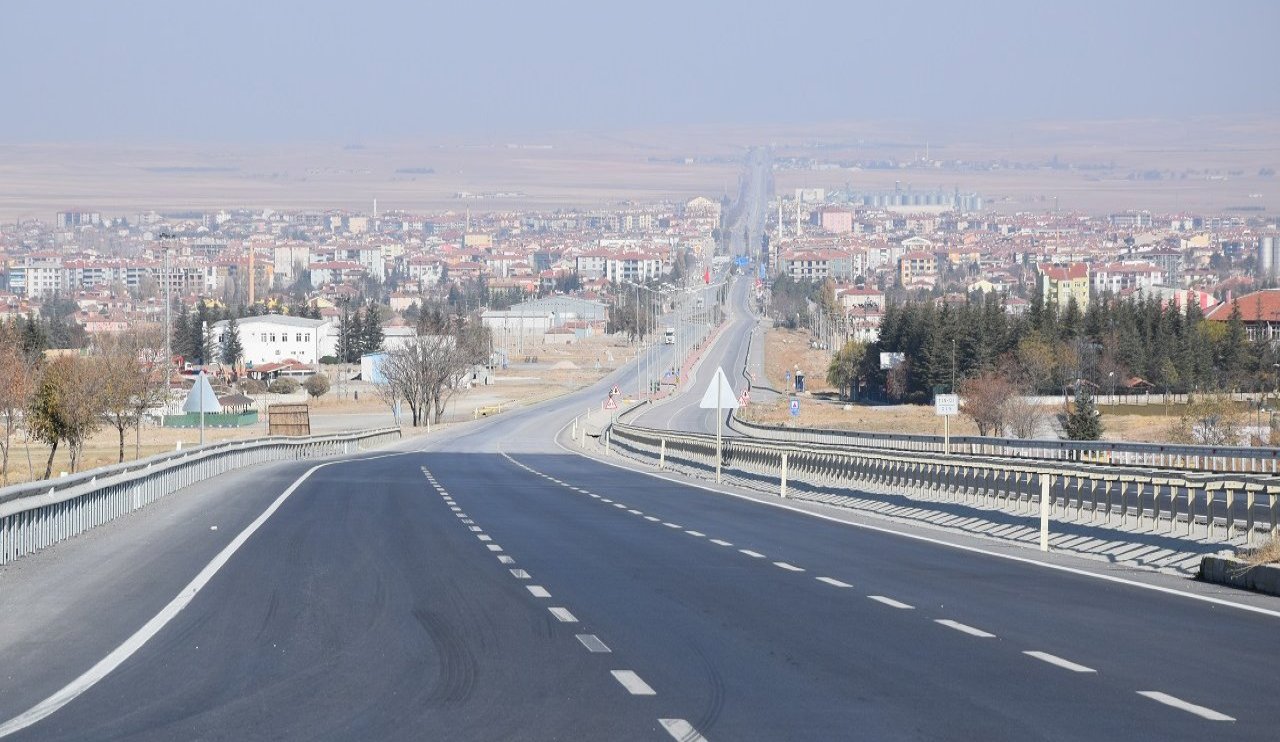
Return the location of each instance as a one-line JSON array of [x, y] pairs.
[[610, 404]]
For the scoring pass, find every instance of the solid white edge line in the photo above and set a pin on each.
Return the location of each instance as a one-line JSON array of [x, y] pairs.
[[1056, 660], [930, 540], [152, 627], [681, 730], [1201, 711], [891, 602], [632, 682], [964, 628]]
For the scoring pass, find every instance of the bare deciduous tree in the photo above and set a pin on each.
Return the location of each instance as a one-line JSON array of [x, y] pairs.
[[66, 407], [124, 384], [17, 377], [985, 399], [426, 371]]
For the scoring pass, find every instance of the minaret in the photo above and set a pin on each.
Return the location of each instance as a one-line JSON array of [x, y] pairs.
[[252, 271]]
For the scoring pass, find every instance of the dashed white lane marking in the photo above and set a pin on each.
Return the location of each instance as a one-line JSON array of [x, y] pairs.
[[593, 643], [672, 525], [721, 542], [504, 559], [493, 547], [964, 628], [635, 512], [753, 554], [538, 591], [605, 500], [1191, 708], [484, 537], [620, 506], [475, 529], [696, 534], [594, 495], [632, 682], [681, 730], [896, 604], [788, 567], [519, 574], [1055, 660], [563, 615], [833, 582], [652, 519], [456, 509]]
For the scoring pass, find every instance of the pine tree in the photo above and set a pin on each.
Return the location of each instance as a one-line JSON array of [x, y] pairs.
[[181, 340], [1231, 353], [355, 335], [232, 350], [1084, 422], [371, 340], [198, 337]]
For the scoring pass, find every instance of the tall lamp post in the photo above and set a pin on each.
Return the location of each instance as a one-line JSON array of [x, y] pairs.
[[168, 321]]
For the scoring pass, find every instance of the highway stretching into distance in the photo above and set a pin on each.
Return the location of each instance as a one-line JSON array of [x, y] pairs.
[[488, 582]]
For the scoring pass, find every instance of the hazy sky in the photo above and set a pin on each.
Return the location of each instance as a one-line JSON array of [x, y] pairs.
[[371, 70]]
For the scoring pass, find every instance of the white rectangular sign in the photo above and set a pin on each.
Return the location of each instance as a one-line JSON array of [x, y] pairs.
[[946, 404]]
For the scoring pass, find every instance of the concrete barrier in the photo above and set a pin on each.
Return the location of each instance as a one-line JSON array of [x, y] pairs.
[[1225, 570]]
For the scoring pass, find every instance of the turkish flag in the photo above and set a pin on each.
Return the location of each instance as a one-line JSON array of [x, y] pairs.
[[706, 276]]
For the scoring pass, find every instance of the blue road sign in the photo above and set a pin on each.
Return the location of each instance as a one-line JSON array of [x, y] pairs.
[[741, 261], [762, 273], [795, 408]]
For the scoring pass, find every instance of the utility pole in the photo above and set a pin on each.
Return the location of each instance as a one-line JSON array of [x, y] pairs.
[[168, 323], [953, 365]]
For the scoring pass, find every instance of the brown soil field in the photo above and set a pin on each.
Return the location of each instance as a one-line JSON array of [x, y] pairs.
[[598, 169], [786, 350]]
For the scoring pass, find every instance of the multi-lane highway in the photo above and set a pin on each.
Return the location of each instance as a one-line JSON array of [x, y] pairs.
[[493, 585], [487, 582]]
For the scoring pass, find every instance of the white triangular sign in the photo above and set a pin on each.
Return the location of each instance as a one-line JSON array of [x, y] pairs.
[[201, 397], [721, 389]]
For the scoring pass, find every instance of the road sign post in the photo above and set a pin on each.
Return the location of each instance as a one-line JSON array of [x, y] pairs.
[[946, 405], [719, 397]]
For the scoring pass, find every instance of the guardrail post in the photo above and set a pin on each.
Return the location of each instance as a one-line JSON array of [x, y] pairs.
[[1275, 495], [1046, 480], [1250, 500], [1231, 502], [662, 453], [1208, 509], [782, 488]]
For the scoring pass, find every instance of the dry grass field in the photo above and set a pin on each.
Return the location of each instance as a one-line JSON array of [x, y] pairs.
[[786, 350], [520, 384], [595, 169]]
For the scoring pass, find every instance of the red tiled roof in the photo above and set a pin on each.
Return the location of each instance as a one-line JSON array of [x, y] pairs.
[[1260, 306]]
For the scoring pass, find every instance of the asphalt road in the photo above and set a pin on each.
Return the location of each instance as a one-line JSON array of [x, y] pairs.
[[486, 583], [459, 593]]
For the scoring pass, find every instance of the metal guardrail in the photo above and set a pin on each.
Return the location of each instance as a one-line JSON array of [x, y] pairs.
[[1170, 503], [39, 514], [1233, 459]]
